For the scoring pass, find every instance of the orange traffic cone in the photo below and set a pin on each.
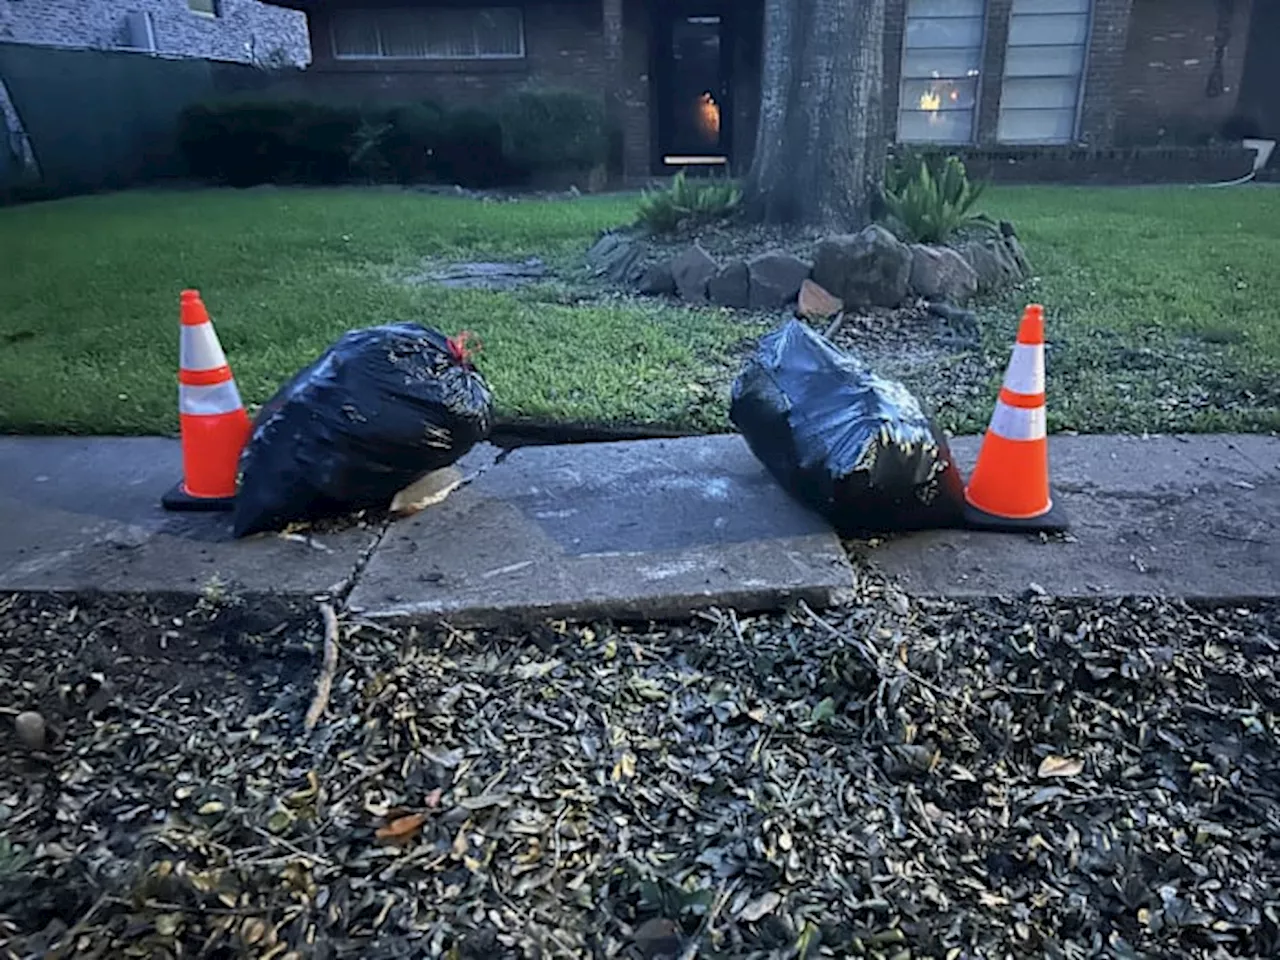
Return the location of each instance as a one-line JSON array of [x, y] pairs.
[[1009, 489], [215, 425]]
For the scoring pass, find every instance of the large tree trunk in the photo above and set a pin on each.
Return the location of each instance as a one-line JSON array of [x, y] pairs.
[[819, 149]]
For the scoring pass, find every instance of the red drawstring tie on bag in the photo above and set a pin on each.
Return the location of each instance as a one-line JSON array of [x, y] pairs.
[[464, 346]]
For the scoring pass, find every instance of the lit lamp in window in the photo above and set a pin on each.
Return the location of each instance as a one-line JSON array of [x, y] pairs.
[[709, 114], [931, 102]]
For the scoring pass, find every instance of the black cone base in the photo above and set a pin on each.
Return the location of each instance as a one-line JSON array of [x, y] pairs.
[[1055, 521], [179, 499]]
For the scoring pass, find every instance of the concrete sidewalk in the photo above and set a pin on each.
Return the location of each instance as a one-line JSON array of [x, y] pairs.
[[645, 529], [1195, 517]]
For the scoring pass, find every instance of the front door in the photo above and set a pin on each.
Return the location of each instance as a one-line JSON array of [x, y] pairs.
[[693, 87]]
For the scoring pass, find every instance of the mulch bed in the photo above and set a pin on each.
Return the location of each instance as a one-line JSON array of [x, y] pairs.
[[953, 372], [895, 779]]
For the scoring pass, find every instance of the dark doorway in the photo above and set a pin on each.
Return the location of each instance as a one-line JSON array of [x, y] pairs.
[[693, 86]]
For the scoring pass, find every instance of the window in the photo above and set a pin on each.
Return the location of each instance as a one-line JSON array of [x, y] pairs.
[[429, 33], [208, 8], [941, 57], [1043, 67]]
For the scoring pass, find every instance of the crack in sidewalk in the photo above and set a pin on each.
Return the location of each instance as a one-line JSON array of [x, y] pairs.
[[341, 592]]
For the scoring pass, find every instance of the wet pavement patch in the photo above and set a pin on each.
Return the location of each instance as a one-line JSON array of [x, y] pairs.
[[483, 276]]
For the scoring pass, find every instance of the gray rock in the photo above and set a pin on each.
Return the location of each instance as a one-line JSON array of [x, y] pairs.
[[940, 273], [30, 728], [992, 262], [728, 287], [775, 279], [1014, 246], [657, 280], [616, 256], [692, 271], [871, 268]]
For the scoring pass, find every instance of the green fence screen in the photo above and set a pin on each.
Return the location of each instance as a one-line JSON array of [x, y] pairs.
[[105, 119]]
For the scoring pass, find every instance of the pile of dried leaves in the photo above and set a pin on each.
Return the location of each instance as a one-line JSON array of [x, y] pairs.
[[896, 779]]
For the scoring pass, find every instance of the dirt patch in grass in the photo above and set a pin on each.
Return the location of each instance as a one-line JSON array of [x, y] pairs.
[[1022, 779]]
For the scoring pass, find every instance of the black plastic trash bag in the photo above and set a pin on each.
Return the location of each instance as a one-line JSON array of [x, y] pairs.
[[853, 446], [380, 408]]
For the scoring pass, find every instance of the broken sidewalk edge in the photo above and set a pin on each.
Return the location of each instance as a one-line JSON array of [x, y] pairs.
[[672, 608]]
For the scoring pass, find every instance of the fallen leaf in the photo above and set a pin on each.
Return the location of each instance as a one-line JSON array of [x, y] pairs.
[[486, 800], [402, 828], [658, 937], [816, 303], [213, 806], [1055, 766], [824, 710], [625, 767], [253, 930], [760, 907], [167, 924], [1046, 795]]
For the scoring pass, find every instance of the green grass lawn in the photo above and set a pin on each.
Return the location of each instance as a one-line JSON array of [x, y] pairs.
[[89, 304], [1161, 304]]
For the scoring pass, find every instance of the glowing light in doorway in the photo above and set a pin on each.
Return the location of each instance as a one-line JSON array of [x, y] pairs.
[[709, 114]]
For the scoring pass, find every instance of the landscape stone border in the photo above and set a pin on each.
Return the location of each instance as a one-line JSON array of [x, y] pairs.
[[856, 271]]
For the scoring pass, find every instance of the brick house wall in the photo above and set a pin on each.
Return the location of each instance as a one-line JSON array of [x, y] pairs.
[[637, 120], [1165, 93], [1146, 60], [244, 31], [564, 47]]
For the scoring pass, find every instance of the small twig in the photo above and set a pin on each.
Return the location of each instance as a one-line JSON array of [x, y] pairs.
[[524, 915], [195, 908], [345, 792], [737, 627], [901, 668], [867, 653], [79, 928], [143, 714], [293, 847], [834, 327], [325, 684], [1229, 536], [695, 942]]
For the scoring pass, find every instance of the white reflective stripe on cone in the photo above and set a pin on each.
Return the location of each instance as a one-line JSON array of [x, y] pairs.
[[208, 401], [1026, 369], [199, 349], [1015, 423]]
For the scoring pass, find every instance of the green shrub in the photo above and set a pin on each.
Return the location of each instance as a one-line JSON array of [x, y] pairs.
[[688, 203], [904, 163], [553, 130], [368, 160], [413, 138], [929, 199], [268, 141], [320, 143], [471, 150]]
